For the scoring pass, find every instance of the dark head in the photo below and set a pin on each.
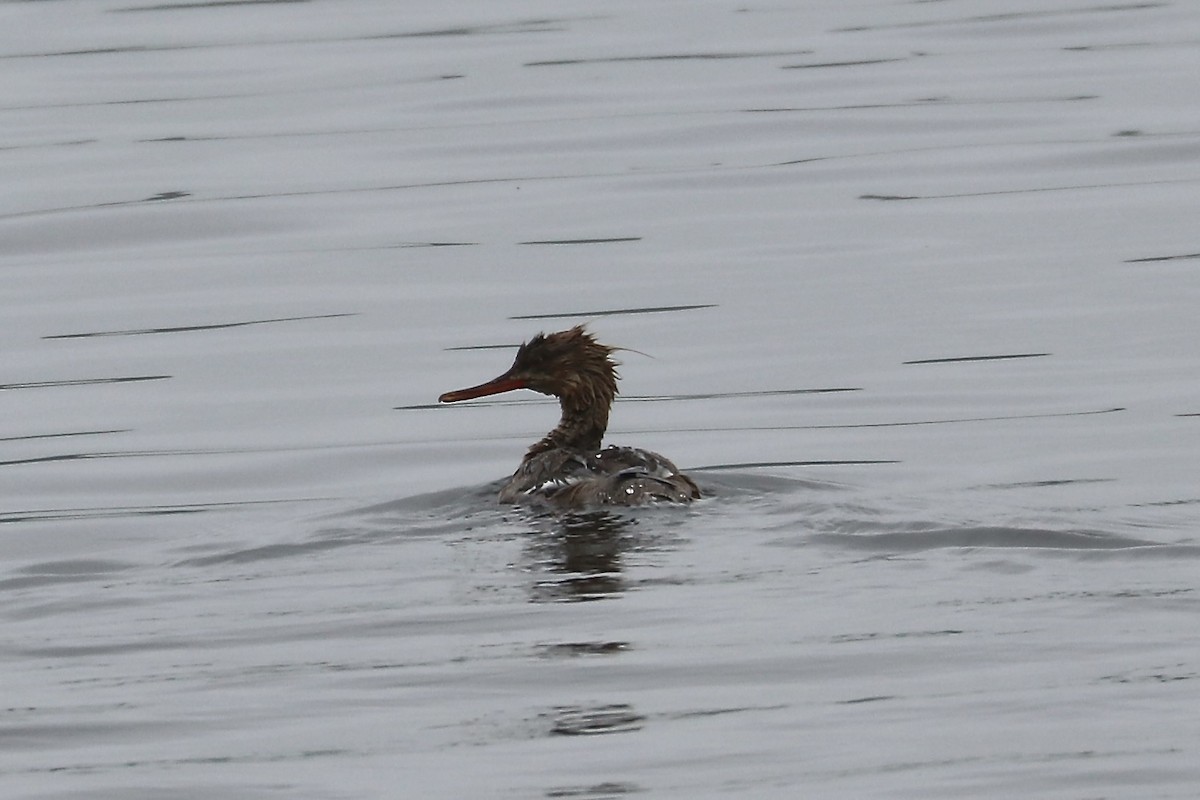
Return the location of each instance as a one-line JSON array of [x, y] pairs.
[[570, 365]]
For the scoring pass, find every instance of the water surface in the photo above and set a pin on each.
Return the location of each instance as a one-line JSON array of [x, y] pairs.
[[912, 288]]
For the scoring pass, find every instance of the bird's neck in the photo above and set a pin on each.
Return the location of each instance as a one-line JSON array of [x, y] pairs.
[[581, 427]]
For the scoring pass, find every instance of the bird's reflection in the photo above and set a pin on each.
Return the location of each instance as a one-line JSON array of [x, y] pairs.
[[579, 556]]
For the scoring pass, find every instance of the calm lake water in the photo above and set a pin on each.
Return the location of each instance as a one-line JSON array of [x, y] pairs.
[[910, 288]]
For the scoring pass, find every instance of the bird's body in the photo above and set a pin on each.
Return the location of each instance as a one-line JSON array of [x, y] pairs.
[[568, 468], [612, 476]]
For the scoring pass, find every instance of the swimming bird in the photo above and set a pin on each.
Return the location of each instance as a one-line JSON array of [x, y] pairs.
[[567, 468]]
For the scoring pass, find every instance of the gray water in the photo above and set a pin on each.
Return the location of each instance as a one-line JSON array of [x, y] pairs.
[[912, 290]]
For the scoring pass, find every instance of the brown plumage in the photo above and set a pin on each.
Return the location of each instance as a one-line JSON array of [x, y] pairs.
[[567, 468]]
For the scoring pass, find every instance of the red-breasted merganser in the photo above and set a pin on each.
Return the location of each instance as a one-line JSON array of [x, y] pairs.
[[567, 468]]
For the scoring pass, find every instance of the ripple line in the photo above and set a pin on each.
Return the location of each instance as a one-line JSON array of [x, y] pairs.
[[1002, 357], [189, 328], [849, 426], [31, 436], [759, 464], [82, 382], [616, 311], [633, 398]]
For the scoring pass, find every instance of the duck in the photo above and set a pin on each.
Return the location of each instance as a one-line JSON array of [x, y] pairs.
[[569, 468]]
